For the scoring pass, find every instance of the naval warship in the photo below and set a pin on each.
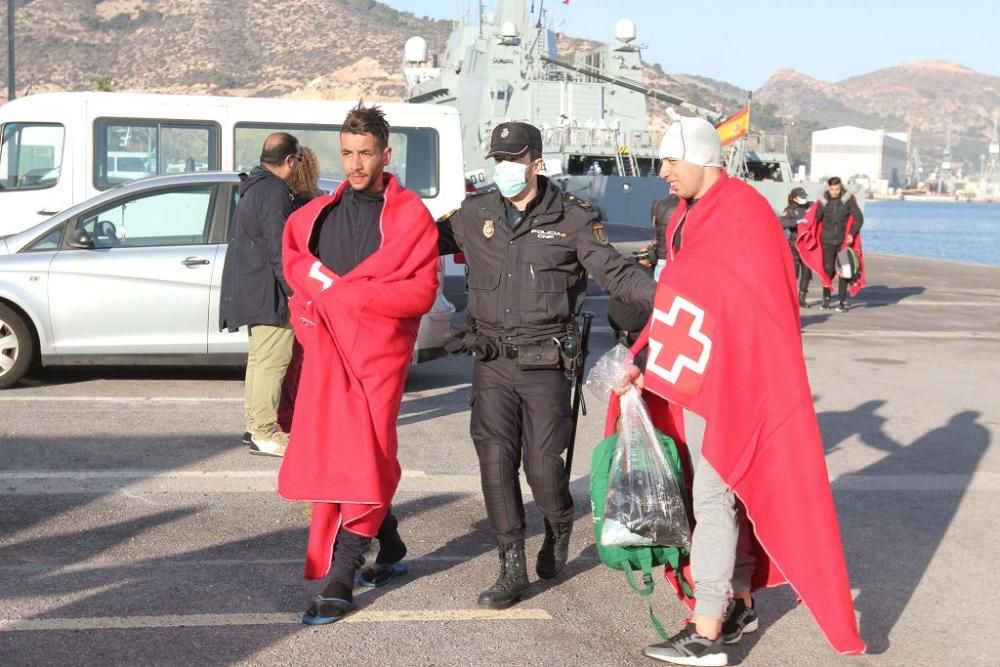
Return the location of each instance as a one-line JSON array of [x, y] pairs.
[[591, 108]]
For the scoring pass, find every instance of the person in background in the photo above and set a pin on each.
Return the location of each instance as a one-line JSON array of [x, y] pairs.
[[663, 210], [839, 218], [305, 183], [793, 215], [254, 292], [305, 186]]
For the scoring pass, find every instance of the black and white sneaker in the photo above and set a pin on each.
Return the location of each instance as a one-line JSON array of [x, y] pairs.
[[741, 619], [247, 438], [687, 647]]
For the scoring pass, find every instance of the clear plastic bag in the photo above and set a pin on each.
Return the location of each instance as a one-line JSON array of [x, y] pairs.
[[644, 505]]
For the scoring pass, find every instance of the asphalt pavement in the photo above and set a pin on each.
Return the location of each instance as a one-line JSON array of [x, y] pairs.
[[136, 529]]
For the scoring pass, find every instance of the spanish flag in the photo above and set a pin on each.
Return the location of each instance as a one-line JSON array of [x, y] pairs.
[[735, 127]]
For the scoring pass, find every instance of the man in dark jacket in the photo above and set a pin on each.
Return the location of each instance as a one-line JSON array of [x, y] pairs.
[[798, 205], [836, 210], [529, 247], [254, 291]]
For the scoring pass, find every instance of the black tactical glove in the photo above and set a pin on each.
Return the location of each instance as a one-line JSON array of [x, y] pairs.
[[458, 343]]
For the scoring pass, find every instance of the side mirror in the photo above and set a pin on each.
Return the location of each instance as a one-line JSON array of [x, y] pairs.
[[79, 238]]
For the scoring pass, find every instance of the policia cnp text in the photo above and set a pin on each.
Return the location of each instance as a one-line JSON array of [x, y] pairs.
[[528, 247]]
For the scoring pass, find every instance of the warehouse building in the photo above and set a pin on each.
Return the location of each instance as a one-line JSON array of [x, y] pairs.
[[875, 157]]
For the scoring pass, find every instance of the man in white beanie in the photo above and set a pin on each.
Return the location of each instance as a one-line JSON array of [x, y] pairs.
[[724, 341]]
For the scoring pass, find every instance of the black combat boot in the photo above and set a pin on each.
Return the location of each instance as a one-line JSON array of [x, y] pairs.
[[512, 581], [802, 300], [555, 549]]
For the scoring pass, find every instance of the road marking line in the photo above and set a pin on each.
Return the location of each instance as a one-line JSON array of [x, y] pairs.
[[159, 474], [885, 333], [146, 482], [16, 398], [980, 481], [115, 399], [56, 569], [278, 618]]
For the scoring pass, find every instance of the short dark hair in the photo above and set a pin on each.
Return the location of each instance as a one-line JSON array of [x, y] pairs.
[[533, 155], [835, 180], [277, 148], [367, 120]]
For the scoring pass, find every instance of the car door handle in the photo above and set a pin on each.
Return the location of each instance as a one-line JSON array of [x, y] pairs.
[[195, 261], [44, 212]]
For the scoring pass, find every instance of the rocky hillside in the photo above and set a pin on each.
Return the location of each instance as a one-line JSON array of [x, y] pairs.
[[347, 49], [927, 98], [233, 47]]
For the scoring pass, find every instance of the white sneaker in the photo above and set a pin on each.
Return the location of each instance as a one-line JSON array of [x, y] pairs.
[[269, 444]]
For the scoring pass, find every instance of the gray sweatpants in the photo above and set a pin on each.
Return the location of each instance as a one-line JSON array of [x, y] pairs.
[[722, 559]]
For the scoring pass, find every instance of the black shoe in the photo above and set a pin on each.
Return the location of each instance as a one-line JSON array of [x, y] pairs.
[[323, 610], [555, 549], [802, 300], [687, 647], [842, 307], [740, 620], [380, 574], [825, 305], [513, 579], [247, 438]]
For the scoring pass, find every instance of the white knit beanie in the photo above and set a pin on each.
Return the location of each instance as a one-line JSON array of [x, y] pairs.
[[692, 139]]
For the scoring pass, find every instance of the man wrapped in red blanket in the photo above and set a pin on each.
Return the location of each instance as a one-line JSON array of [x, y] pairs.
[[362, 264], [724, 342]]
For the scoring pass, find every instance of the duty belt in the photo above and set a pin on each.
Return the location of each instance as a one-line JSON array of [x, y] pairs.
[[509, 351]]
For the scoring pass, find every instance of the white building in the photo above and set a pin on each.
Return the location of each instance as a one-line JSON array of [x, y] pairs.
[[875, 156]]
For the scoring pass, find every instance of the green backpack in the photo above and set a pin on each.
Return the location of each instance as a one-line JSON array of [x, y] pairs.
[[642, 558]]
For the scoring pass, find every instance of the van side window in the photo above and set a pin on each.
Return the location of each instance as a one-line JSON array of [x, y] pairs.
[[31, 155], [168, 218], [414, 151], [128, 149]]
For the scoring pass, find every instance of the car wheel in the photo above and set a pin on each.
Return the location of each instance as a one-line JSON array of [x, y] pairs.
[[17, 347]]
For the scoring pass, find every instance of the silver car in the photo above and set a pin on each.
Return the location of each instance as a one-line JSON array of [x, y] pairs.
[[131, 277]]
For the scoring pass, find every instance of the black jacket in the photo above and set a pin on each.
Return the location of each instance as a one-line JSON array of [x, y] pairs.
[[790, 219], [254, 290], [525, 283], [663, 210], [833, 213]]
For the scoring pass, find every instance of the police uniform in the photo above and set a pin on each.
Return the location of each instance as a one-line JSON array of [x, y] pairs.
[[527, 273]]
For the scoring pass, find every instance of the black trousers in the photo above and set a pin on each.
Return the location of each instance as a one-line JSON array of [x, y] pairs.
[[830, 267], [802, 271], [518, 413]]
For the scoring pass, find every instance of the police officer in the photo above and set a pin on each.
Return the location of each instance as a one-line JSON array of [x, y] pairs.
[[528, 248]]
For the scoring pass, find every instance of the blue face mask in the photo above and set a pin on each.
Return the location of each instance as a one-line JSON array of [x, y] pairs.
[[511, 178]]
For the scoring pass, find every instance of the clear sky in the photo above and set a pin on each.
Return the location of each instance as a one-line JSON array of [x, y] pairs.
[[745, 42]]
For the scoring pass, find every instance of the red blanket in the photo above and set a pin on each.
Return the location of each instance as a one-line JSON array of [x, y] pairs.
[[725, 342], [357, 332], [807, 240]]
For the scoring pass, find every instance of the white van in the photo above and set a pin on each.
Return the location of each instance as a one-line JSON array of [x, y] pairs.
[[59, 149]]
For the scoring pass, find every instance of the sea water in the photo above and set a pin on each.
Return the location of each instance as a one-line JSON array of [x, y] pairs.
[[962, 232]]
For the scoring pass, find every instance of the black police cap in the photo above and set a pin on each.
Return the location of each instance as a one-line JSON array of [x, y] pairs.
[[514, 140]]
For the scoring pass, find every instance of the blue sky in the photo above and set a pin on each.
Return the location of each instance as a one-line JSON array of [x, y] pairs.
[[743, 43]]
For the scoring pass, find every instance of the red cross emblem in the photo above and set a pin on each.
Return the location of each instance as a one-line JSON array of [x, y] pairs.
[[680, 342]]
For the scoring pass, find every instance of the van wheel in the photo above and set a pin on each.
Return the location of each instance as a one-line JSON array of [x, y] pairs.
[[17, 347]]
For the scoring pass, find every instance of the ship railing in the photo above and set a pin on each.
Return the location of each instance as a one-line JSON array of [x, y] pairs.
[[556, 138], [767, 143]]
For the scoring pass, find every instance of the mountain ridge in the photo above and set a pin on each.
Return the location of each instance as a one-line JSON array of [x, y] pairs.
[[348, 49]]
